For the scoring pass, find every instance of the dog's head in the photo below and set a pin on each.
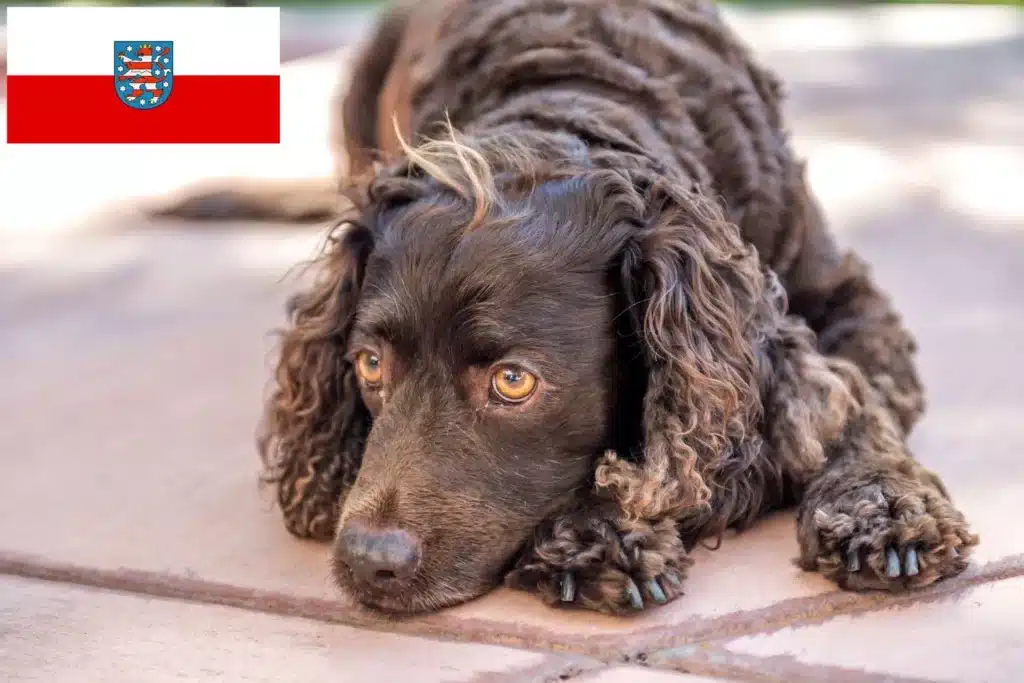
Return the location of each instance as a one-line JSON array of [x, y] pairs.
[[477, 343]]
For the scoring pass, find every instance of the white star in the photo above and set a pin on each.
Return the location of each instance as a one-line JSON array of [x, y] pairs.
[[165, 60], [129, 48], [123, 88], [165, 84], [156, 72], [142, 101], [158, 49], [120, 68]]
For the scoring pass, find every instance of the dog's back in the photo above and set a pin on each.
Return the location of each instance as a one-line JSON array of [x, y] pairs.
[[662, 90], [664, 86]]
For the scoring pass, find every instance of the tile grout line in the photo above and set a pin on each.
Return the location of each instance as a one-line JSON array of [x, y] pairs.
[[626, 647], [200, 591], [814, 610]]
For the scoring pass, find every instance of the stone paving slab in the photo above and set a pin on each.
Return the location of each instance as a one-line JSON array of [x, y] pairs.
[[978, 637], [54, 633]]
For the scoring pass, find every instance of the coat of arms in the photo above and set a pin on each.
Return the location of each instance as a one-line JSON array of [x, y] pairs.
[[143, 72]]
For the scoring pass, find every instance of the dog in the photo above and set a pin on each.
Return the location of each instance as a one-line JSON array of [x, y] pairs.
[[582, 313]]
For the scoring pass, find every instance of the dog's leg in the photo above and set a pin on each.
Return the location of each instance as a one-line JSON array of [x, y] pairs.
[[840, 300], [875, 518], [593, 557], [870, 516], [310, 200]]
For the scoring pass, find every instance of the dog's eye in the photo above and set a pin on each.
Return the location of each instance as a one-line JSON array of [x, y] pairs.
[[369, 368], [513, 384]]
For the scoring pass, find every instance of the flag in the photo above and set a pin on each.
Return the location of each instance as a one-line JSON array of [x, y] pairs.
[[143, 75]]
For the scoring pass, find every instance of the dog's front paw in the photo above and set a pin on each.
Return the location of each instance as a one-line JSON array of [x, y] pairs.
[[594, 563], [892, 535]]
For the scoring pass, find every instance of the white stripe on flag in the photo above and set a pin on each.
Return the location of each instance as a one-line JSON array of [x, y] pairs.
[[79, 41]]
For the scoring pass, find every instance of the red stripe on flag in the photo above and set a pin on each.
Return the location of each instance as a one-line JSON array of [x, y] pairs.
[[200, 109]]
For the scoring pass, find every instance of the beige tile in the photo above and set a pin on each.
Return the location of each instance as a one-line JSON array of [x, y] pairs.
[[635, 674], [55, 633], [976, 638]]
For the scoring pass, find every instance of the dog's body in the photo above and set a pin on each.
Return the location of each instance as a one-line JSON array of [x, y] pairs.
[[618, 229]]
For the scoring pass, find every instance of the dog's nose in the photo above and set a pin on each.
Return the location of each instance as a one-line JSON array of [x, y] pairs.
[[380, 557]]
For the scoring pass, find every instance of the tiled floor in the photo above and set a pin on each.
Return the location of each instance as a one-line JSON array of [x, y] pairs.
[[138, 546]]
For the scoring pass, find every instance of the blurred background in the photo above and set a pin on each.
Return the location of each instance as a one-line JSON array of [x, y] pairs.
[[134, 352]]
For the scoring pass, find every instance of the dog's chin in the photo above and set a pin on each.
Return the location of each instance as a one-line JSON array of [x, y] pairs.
[[420, 598]]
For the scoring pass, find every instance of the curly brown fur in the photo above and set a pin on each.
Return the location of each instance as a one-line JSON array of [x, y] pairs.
[[314, 425], [874, 506], [622, 216], [593, 557]]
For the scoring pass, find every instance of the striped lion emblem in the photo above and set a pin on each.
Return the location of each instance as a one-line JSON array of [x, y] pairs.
[[143, 72]]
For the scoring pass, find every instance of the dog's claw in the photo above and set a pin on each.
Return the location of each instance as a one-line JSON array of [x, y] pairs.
[[910, 562], [633, 595], [853, 562], [568, 587], [892, 563], [654, 588]]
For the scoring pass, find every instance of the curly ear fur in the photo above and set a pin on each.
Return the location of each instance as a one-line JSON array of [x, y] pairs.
[[315, 424], [700, 292], [731, 377]]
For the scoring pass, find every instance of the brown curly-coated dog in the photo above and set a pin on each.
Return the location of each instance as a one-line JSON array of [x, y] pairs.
[[602, 321]]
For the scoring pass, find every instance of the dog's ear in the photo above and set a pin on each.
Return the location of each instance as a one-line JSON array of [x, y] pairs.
[[314, 423], [692, 288]]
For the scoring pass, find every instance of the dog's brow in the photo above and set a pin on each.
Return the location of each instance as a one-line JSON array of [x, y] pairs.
[[491, 335], [383, 318]]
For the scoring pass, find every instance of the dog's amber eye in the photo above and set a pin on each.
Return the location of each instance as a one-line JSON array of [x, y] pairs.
[[369, 368], [513, 384]]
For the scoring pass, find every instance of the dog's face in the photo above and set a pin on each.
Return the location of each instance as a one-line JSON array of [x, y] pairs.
[[488, 360], [475, 360]]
